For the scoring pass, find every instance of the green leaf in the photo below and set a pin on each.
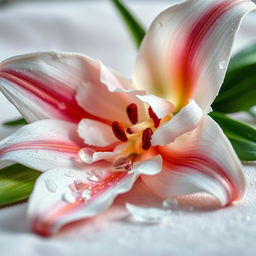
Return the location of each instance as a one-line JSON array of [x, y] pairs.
[[238, 92], [135, 28], [241, 136], [16, 183], [16, 122]]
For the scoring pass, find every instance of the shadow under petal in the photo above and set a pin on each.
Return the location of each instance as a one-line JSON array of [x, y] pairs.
[[14, 219]]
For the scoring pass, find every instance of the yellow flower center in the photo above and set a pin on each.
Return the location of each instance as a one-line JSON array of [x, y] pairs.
[[137, 137]]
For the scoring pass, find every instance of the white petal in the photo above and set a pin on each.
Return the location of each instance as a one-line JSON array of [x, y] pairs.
[[203, 161], [44, 85], [160, 106], [150, 166], [96, 133], [107, 96], [75, 198], [186, 50], [42, 145], [184, 121]]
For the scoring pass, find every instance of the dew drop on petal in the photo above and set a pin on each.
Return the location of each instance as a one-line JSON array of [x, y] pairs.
[[86, 154], [86, 194], [68, 198], [122, 164], [51, 185], [78, 185], [147, 215], [222, 64], [170, 203], [96, 172], [69, 174], [94, 178], [248, 218], [160, 24]]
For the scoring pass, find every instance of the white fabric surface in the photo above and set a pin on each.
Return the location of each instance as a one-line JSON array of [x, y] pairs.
[[93, 28]]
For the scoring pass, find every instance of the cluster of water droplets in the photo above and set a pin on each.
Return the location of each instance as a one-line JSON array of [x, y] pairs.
[[122, 164], [78, 189]]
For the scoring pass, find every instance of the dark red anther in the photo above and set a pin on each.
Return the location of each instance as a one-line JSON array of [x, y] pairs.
[[146, 138], [132, 112], [119, 132], [155, 119], [129, 130]]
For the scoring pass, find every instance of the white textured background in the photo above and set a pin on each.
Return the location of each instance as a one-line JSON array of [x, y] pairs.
[[93, 28]]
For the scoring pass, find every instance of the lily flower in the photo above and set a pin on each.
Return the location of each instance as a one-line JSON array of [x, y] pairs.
[[93, 133]]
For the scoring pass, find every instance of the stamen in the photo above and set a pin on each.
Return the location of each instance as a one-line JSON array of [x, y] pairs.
[[132, 112], [119, 132], [129, 130], [146, 138], [154, 117]]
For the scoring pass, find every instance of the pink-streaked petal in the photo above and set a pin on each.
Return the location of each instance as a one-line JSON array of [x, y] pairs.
[[201, 161], [151, 166], [107, 96], [96, 133], [62, 196], [187, 119], [43, 145], [44, 85], [160, 106], [187, 48]]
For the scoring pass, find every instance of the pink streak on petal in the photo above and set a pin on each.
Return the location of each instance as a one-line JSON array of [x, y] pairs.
[[55, 98], [47, 145], [46, 226], [199, 31], [199, 160]]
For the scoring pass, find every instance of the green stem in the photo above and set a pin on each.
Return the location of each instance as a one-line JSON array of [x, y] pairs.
[[135, 28]]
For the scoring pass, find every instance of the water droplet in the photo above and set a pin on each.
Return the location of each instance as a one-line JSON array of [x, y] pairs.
[[170, 203], [51, 185], [86, 194], [86, 154], [222, 64], [69, 174], [94, 178], [122, 164], [248, 218], [62, 105], [68, 197], [147, 215], [160, 24], [78, 186]]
